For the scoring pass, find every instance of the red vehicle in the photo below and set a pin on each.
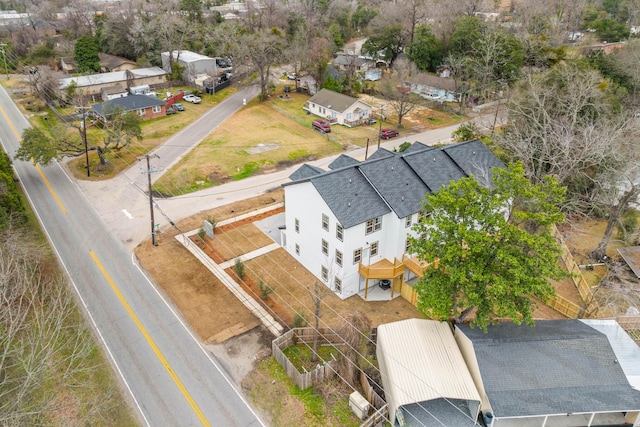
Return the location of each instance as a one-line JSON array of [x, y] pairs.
[[388, 133], [321, 125]]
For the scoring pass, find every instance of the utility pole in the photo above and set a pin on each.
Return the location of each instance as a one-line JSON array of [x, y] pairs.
[[366, 151], [84, 135], [149, 171], [380, 127], [4, 57]]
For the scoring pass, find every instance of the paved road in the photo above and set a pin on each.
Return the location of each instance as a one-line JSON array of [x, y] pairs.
[[126, 211], [172, 379]]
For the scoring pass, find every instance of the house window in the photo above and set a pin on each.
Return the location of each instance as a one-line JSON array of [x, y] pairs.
[[325, 247], [297, 249], [156, 109], [406, 245], [297, 225], [348, 116], [374, 224], [339, 258], [142, 112], [325, 274], [325, 222], [334, 115], [407, 221], [357, 255], [374, 249], [337, 285], [339, 232]]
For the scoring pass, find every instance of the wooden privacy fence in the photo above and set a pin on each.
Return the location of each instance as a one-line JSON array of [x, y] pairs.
[[563, 305], [322, 372]]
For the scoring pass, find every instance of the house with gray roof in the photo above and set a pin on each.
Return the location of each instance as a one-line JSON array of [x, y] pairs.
[[335, 107], [91, 85], [349, 226], [558, 373], [147, 107]]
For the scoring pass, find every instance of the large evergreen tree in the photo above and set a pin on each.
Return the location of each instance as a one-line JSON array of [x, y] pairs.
[[86, 55]]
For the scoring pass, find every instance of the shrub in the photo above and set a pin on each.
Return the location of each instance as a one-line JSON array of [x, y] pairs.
[[239, 267], [299, 321], [265, 290], [201, 233]]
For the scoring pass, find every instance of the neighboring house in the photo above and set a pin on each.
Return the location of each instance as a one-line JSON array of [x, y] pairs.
[[335, 107], [351, 62], [430, 86], [196, 66], [92, 85], [558, 373], [426, 381], [146, 107], [109, 63], [113, 92], [349, 226]]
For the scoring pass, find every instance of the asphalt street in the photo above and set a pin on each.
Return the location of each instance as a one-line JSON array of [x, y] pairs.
[[171, 379]]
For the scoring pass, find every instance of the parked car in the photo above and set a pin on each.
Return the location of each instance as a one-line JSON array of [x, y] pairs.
[[192, 99], [179, 106], [388, 133], [171, 110], [293, 76], [321, 125]]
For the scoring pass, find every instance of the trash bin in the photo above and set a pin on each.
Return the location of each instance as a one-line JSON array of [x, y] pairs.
[[287, 88]]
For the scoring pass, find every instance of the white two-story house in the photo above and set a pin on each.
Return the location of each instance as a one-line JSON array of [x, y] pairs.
[[349, 225]]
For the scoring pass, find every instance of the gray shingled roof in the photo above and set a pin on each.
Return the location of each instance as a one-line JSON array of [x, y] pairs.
[[350, 196], [357, 192], [416, 146], [305, 171], [332, 100], [342, 161], [381, 153], [434, 167], [474, 158], [556, 367], [128, 103], [396, 183]]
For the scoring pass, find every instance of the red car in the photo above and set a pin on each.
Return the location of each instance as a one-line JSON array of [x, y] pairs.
[[388, 133]]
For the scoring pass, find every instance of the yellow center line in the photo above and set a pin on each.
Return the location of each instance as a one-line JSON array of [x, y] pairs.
[[44, 178], [150, 341]]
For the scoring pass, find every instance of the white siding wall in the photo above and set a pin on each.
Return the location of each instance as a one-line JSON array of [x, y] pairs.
[[303, 203]]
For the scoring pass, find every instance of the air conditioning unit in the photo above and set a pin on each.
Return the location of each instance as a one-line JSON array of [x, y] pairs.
[[359, 405]]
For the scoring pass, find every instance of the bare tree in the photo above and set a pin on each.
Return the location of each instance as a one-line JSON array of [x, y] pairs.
[[259, 51], [43, 350], [354, 332], [618, 289], [316, 297], [398, 94]]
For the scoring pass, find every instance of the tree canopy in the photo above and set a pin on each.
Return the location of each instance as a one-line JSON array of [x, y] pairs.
[[86, 55], [490, 249], [426, 51]]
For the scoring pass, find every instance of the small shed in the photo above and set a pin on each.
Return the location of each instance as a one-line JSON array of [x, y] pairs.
[[631, 256], [425, 379]]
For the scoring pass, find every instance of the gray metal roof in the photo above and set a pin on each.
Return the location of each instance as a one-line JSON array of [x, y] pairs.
[[112, 77], [305, 171], [342, 161], [333, 100], [438, 413], [626, 350], [350, 196], [556, 367], [128, 103], [388, 181]]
